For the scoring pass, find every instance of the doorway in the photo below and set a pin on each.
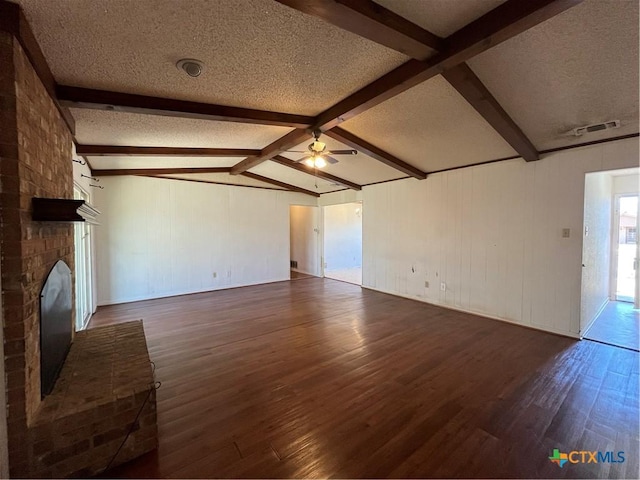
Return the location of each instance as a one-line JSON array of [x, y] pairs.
[[625, 259], [342, 249], [82, 243], [609, 305], [304, 242]]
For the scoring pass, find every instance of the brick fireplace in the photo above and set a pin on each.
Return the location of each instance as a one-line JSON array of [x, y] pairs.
[[35, 151], [35, 161]]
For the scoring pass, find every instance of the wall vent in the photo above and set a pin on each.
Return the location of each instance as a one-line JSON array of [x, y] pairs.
[[293, 263], [596, 127]]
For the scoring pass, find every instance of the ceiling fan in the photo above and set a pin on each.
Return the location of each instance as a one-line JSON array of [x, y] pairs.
[[317, 155]]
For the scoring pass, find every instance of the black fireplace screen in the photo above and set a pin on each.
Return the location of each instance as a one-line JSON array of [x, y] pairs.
[[55, 324]]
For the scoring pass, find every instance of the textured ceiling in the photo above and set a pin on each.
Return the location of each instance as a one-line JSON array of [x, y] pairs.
[[578, 68], [359, 168], [117, 162], [97, 127], [257, 53], [293, 177], [441, 17], [431, 127]]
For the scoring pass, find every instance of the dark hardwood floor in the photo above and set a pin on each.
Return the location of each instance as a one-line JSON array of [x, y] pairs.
[[298, 275], [319, 378]]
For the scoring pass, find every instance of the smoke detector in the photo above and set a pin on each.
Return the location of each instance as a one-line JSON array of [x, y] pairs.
[[596, 127], [192, 67]]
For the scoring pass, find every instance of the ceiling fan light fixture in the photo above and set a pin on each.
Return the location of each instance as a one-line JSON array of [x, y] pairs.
[[318, 146], [190, 66], [309, 162], [320, 162]]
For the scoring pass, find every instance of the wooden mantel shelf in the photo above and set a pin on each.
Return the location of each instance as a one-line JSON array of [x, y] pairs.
[[63, 210]]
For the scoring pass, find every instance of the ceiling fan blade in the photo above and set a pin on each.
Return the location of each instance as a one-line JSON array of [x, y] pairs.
[[302, 159], [296, 151], [330, 160], [343, 152]]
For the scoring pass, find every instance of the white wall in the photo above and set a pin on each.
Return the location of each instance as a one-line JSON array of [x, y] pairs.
[[342, 237], [304, 238], [339, 197], [596, 246], [626, 184], [161, 237], [492, 234]]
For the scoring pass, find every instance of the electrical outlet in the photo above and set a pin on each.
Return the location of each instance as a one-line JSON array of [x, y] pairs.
[[443, 286], [215, 274], [426, 284], [566, 232]]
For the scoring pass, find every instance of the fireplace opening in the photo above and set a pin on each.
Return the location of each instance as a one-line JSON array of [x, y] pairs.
[[55, 324]]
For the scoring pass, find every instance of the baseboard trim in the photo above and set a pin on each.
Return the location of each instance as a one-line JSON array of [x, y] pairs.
[[191, 292], [304, 272], [560, 333]]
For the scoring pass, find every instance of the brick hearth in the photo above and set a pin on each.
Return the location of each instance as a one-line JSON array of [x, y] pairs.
[[105, 384]]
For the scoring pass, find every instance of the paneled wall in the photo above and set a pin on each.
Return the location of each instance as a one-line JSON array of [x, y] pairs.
[[493, 235], [161, 237]]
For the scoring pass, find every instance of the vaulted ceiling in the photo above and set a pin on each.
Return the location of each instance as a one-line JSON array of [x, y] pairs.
[[414, 86]]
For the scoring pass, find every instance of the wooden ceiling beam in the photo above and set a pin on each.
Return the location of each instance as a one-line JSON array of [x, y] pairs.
[[278, 183], [374, 22], [465, 81], [210, 182], [301, 167], [14, 22], [290, 140], [78, 97], [361, 16], [116, 150], [157, 171], [502, 23], [368, 149]]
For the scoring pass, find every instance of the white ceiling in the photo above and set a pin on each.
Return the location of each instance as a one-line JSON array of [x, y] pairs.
[[102, 127], [431, 127], [359, 168], [257, 53], [223, 178], [293, 177], [441, 17], [578, 68]]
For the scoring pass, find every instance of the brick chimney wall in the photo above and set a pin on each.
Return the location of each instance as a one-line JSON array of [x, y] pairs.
[[35, 160]]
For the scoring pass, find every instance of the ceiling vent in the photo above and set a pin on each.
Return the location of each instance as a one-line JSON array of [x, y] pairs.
[[596, 127]]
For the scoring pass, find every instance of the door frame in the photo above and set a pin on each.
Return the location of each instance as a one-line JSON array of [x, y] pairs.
[[319, 237], [615, 239], [88, 262], [324, 231]]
